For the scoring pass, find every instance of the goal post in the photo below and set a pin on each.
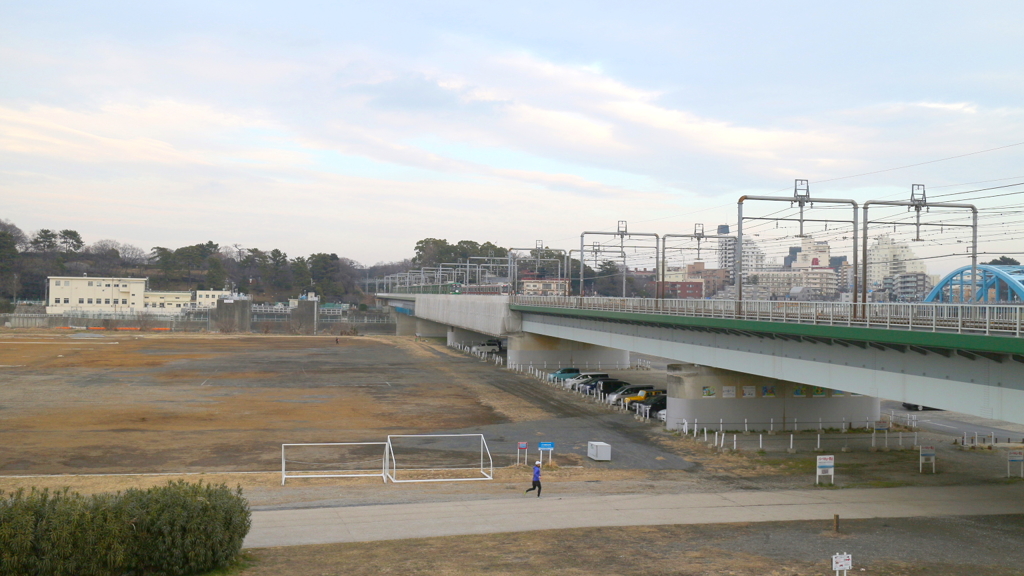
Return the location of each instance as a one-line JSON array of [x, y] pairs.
[[438, 458], [334, 460]]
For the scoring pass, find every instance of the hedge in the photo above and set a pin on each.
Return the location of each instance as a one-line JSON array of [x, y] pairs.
[[174, 530]]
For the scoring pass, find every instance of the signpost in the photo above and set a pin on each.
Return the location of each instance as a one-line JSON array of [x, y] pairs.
[[842, 562], [927, 455], [1015, 456], [826, 467], [524, 449], [542, 446]]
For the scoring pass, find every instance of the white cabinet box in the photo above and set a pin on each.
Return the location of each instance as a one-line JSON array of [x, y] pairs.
[[599, 451]]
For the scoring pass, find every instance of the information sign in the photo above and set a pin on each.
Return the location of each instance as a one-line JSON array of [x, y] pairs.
[[546, 445], [1015, 456], [842, 562], [927, 456], [523, 445], [881, 425], [826, 467]]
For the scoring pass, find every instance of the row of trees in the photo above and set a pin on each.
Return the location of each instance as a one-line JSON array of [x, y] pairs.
[[269, 275]]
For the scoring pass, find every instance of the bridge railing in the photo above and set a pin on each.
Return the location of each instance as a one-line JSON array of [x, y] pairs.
[[1005, 320]]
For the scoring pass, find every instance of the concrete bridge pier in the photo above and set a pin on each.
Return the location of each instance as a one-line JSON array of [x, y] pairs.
[[707, 395], [526, 349], [405, 325], [465, 337]]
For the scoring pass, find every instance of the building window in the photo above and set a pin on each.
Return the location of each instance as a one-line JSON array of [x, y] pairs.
[[81, 300], [90, 300], [124, 300], [90, 282], [161, 304], [56, 300], [108, 286], [67, 300], [107, 301]]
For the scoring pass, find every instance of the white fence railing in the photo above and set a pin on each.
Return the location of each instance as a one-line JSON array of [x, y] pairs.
[[1003, 320]]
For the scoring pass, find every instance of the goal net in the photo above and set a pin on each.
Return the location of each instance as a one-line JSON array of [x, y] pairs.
[[438, 458], [334, 460]]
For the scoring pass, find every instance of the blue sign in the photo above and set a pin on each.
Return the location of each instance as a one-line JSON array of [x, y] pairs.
[[546, 445]]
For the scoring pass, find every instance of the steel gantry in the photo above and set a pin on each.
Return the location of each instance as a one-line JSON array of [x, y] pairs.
[[918, 201], [801, 197], [622, 233]]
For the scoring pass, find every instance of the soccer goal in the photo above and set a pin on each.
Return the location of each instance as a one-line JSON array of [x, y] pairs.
[[334, 460], [438, 458]]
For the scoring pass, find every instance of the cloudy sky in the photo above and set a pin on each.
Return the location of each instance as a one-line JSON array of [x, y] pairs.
[[359, 128]]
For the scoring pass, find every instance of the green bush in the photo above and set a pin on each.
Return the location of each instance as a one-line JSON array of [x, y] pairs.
[[173, 530]]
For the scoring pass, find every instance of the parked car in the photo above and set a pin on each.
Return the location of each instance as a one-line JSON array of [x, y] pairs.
[[486, 348], [583, 377], [657, 403], [563, 374], [663, 414], [604, 385], [626, 391], [494, 342], [640, 396], [910, 406]]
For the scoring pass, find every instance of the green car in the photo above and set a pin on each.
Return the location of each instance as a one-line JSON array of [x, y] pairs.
[[563, 374]]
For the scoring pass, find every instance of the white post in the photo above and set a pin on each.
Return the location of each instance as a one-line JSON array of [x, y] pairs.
[[716, 438], [733, 442], [705, 434], [720, 428], [772, 428], [760, 441], [819, 441], [819, 424], [790, 441]]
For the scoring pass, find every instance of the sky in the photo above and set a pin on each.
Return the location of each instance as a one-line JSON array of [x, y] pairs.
[[360, 128]]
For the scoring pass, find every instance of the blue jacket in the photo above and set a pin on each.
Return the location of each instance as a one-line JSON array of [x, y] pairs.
[[536, 473]]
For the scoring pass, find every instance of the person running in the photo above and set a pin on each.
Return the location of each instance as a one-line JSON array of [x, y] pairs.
[[536, 479]]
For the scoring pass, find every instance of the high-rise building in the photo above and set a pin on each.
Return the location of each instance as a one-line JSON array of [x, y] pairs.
[[754, 259], [888, 258]]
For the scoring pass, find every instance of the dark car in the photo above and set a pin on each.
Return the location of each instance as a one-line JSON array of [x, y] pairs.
[[606, 385], [659, 402], [910, 406]]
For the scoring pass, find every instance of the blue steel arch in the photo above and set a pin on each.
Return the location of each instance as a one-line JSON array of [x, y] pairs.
[[996, 284]]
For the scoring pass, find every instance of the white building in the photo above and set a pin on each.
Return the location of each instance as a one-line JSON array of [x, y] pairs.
[[888, 259], [84, 294], [169, 301], [754, 259], [208, 298], [812, 254]]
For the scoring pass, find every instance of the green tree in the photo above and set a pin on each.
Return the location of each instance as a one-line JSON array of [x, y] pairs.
[[8, 263], [216, 275], [191, 258], [70, 240], [165, 260], [44, 240], [1004, 261]]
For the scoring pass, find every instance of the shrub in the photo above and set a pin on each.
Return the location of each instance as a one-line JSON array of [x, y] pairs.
[[173, 530]]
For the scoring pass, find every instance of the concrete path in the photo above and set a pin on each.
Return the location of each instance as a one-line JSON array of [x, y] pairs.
[[399, 521]]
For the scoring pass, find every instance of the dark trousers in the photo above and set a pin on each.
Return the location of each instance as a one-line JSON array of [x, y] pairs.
[[536, 486]]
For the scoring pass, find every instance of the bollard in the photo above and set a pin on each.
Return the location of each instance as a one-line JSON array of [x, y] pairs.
[[705, 434], [720, 428], [790, 441], [819, 441], [733, 442], [760, 441], [716, 438], [745, 430], [819, 424]]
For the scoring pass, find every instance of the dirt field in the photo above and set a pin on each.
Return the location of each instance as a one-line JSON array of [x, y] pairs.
[[87, 404]]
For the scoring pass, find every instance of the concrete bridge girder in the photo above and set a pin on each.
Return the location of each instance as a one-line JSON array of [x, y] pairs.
[[981, 387], [538, 350]]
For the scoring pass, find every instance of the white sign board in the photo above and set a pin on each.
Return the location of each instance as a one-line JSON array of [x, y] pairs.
[[842, 562], [927, 457], [728, 391], [1015, 456], [826, 467]]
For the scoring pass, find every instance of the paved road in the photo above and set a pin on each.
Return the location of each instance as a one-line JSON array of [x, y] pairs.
[[400, 521], [956, 424]]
